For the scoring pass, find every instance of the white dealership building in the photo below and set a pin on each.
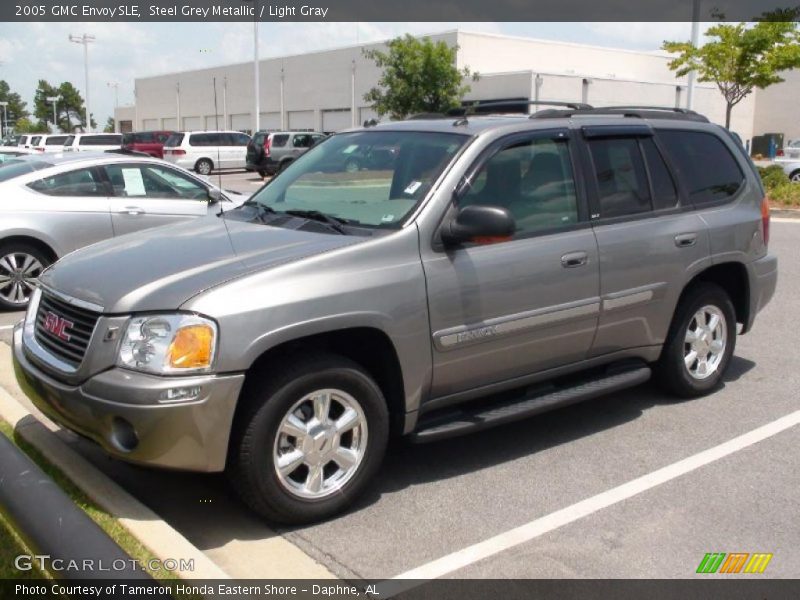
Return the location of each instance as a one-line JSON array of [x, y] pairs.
[[325, 90]]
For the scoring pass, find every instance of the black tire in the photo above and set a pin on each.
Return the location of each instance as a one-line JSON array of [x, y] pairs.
[[262, 173], [18, 250], [204, 166], [267, 399], [282, 165], [671, 371], [794, 177]]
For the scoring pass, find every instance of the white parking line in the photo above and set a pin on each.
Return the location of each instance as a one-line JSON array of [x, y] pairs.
[[784, 220], [4, 327], [525, 533]]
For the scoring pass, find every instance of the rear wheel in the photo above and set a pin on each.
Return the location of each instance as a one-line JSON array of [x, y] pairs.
[[203, 166], [700, 343], [795, 176], [310, 441], [20, 267]]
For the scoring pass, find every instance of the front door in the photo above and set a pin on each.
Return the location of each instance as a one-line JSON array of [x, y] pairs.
[[511, 308], [148, 195]]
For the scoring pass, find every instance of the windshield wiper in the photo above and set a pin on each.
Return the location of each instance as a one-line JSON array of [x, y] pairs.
[[262, 209], [334, 223]]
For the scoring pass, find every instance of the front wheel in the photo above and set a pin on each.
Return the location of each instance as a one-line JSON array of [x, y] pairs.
[[20, 267], [700, 342], [310, 440]]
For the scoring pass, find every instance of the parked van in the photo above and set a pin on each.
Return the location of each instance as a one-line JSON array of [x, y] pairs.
[[50, 143], [148, 142], [204, 151], [96, 142]]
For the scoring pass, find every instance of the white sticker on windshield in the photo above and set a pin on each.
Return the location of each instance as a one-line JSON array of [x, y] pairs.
[[134, 184], [412, 187], [350, 149], [387, 218]]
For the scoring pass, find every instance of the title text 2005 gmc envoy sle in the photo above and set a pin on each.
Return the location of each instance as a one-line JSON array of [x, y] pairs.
[[484, 270]]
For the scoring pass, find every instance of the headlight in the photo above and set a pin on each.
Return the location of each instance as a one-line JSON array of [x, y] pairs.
[[168, 344]]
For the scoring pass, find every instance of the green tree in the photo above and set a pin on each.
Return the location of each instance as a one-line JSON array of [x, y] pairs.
[[110, 125], [70, 108], [16, 108], [740, 57], [419, 76], [25, 125]]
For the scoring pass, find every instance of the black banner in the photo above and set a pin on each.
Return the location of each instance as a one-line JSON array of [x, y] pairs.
[[383, 10], [735, 587]]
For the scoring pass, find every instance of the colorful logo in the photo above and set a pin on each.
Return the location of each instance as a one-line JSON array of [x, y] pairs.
[[735, 562]]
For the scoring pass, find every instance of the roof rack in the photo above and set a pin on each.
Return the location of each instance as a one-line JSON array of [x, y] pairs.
[[477, 107], [641, 112]]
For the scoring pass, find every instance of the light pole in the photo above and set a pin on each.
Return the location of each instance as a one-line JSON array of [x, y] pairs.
[[695, 39], [54, 100], [256, 84], [5, 119], [85, 40], [115, 85]]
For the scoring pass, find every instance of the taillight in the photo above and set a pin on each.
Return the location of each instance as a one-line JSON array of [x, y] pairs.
[[765, 220], [175, 151], [267, 145], [780, 151]]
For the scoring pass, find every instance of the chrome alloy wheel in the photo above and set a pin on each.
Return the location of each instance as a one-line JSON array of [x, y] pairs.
[[19, 272], [705, 342], [320, 444]]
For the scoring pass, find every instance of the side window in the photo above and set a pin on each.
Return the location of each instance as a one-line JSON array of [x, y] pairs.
[[199, 139], [301, 141], [665, 194], [151, 181], [82, 182], [533, 180], [621, 178], [706, 165], [279, 141], [241, 139]]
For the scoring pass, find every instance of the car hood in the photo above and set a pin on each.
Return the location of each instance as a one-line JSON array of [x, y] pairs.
[[161, 268]]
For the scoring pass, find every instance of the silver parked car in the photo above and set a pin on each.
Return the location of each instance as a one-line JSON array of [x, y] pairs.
[[527, 263], [54, 204]]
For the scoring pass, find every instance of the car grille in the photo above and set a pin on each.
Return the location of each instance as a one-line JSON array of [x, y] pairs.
[[75, 325]]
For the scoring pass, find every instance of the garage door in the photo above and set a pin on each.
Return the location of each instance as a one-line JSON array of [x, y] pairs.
[[336, 120], [301, 120], [170, 124], [365, 113], [192, 123], [215, 122], [270, 121], [150, 124], [241, 122]]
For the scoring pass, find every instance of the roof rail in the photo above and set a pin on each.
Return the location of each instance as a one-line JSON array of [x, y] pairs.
[[641, 112], [472, 108]]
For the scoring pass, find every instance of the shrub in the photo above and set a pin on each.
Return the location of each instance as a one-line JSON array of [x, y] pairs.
[[773, 176]]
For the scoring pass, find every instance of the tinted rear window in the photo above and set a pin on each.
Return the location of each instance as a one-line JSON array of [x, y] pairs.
[[279, 140], [55, 140], [100, 140], [176, 139], [258, 139], [69, 140], [621, 177], [17, 167], [705, 164], [206, 139]]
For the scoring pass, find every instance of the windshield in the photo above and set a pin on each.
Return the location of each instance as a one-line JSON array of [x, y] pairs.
[[20, 166], [371, 178]]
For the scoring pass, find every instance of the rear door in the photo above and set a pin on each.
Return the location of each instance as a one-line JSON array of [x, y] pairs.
[[148, 195], [503, 310], [650, 240]]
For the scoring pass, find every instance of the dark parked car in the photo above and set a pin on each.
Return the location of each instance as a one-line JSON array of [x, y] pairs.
[[149, 142]]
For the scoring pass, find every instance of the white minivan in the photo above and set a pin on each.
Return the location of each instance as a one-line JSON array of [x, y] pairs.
[[50, 143], [204, 151], [95, 142]]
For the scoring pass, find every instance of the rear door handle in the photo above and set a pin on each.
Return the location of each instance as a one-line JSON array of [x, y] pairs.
[[685, 240], [574, 259], [132, 210]]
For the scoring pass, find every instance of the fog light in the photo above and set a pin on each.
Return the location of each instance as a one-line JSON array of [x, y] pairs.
[[123, 434], [181, 394]]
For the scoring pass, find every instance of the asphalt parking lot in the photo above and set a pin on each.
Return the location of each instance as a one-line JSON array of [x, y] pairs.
[[546, 492]]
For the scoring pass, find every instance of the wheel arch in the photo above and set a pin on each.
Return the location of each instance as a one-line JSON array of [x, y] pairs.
[[731, 277], [45, 246], [368, 346]]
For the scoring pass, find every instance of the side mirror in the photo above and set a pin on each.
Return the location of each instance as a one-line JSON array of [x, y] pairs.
[[479, 224], [214, 195]]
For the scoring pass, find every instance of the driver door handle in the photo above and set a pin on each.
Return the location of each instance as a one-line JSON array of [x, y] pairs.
[[685, 239], [132, 210], [574, 259]]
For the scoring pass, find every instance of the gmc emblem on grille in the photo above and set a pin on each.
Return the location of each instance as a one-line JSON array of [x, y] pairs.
[[57, 326]]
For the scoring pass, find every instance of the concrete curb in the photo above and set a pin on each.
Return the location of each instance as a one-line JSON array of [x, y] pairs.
[[272, 557], [159, 538]]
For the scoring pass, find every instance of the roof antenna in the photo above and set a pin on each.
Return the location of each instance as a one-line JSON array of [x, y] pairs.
[[216, 125]]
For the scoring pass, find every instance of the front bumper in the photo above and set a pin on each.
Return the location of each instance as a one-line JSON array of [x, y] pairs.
[[123, 412]]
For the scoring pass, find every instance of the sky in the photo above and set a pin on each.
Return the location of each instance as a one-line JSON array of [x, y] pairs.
[[124, 51]]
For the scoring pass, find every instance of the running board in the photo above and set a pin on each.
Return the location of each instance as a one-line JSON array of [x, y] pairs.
[[468, 420]]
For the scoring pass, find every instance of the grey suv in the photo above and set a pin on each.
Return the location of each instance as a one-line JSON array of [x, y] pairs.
[[270, 152], [497, 267]]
